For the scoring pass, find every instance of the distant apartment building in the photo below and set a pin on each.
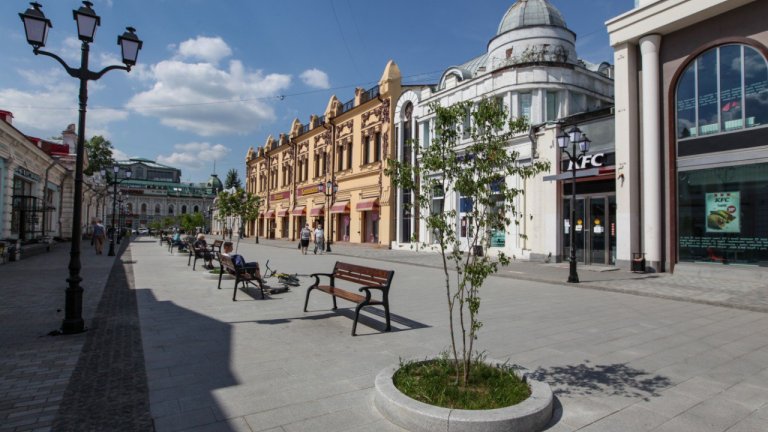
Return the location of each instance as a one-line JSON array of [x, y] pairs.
[[347, 146]]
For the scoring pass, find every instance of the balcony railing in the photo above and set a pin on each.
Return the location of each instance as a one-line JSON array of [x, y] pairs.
[[369, 94], [347, 106]]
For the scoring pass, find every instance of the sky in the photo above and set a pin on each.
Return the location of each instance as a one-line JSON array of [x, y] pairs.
[[217, 77]]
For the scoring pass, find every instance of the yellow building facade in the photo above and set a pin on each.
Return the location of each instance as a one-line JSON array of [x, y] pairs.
[[348, 146]]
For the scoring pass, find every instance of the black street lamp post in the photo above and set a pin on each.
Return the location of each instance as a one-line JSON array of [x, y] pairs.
[[573, 137], [36, 27], [114, 183], [330, 190]]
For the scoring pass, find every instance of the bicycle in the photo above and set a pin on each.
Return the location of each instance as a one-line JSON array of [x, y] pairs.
[[283, 278]]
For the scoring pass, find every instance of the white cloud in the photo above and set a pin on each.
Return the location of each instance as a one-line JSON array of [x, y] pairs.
[[54, 89], [205, 99], [119, 155], [207, 49], [194, 155], [315, 78]]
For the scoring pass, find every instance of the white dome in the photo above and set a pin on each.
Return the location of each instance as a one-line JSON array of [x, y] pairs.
[[525, 13]]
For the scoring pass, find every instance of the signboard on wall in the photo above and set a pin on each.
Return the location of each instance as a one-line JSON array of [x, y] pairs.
[[722, 212]]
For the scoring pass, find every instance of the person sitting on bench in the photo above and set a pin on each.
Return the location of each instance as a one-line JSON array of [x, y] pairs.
[[251, 267]]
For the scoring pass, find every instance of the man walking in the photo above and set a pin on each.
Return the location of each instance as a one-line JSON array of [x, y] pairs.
[[319, 239]]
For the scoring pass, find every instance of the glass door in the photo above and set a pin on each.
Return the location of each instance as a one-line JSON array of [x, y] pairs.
[[595, 230]]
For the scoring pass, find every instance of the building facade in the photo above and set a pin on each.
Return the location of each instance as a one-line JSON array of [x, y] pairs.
[[347, 146], [530, 67], [155, 192], [691, 116], [36, 185]]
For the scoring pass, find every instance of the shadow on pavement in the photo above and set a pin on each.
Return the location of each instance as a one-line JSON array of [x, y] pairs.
[[378, 325], [591, 380]]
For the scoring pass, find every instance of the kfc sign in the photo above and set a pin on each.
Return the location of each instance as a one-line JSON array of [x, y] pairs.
[[595, 160]]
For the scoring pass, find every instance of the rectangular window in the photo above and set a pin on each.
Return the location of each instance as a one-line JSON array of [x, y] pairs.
[[706, 71], [466, 127], [349, 156], [425, 137], [524, 99], [721, 215], [366, 148], [340, 159], [377, 147], [552, 106], [316, 166]]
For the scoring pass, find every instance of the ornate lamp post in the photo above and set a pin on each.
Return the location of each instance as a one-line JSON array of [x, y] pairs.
[[114, 183], [573, 137], [330, 190], [36, 27]]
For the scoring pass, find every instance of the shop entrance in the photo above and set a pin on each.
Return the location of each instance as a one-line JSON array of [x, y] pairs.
[[595, 227]]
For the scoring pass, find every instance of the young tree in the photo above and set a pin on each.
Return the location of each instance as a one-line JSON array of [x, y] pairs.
[[232, 180], [99, 155], [241, 204], [478, 172]]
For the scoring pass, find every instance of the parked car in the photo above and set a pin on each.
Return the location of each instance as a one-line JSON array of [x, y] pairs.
[[143, 231]]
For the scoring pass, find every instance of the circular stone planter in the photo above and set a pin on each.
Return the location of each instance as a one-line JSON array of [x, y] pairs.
[[209, 275], [531, 414]]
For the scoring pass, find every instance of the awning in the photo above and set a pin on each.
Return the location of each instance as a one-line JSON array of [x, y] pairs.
[[299, 211], [340, 207], [282, 212], [370, 204], [270, 214], [317, 211]]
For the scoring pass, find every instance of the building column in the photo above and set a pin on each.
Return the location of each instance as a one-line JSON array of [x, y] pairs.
[[651, 113]]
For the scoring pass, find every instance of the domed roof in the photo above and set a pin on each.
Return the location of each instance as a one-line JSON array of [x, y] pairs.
[[526, 13], [215, 184]]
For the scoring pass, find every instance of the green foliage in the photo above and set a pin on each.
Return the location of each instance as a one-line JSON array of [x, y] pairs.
[[242, 204], [99, 155], [190, 221], [232, 180], [475, 169], [433, 382]]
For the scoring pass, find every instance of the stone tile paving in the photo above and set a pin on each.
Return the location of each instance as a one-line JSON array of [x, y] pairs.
[[630, 362], [35, 368], [108, 389]]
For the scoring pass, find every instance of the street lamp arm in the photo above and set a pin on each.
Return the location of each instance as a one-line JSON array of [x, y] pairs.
[[99, 74], [80, 73], [74, 73]]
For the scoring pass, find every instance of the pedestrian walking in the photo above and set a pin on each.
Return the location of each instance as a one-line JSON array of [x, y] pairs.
[[319, 239], [98, 236], [305, 235]]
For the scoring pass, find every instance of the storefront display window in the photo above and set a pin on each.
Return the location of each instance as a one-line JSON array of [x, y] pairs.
[[724, 89], [721, 215]]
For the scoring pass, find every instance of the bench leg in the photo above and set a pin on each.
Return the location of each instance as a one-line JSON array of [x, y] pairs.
[[334, 302], [386, 314], [306, 301], [194, 264], [221, 273], [234, 294], [357, 315], [189, 259]]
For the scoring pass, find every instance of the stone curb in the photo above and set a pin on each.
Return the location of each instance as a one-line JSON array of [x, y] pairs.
[[533, 414]]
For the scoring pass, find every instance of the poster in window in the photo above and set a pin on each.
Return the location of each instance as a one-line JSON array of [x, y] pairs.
[[723, 212]]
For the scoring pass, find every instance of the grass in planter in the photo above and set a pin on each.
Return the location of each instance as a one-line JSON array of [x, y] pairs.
[[432, 382]]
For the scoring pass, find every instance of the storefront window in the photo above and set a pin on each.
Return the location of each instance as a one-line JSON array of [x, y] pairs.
[[722, 215], [724, 89]]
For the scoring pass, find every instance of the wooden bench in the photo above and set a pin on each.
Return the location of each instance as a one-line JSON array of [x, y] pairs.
[[370, 279], [241, 275]]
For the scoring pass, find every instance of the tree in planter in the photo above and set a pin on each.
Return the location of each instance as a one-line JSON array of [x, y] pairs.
[[190, 221], [477, 172]]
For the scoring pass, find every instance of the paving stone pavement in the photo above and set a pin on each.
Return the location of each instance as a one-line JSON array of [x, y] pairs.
[[616, 362]]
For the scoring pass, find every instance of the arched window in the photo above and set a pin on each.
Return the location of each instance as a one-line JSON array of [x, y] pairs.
[[143, 208], [197, 209], [170, 209], [157, 209], [129, 208], [184, 209], [724, 89]]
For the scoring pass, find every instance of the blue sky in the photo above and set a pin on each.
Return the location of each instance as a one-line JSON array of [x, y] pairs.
[[216, 77]]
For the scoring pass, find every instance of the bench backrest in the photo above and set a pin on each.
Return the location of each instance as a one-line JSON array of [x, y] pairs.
[[362, 275], [227, 264]]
